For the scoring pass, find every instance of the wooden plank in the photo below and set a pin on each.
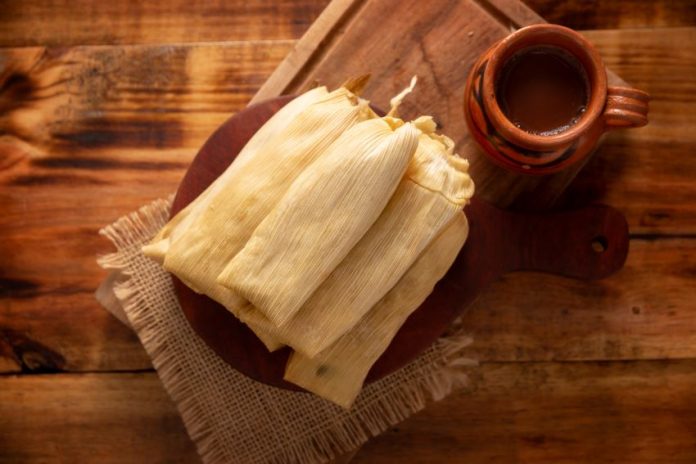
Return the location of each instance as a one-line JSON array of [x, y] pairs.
[[94, 22], [104, 418], [90, 22], [638, 412], [597, 14], [139, 97]]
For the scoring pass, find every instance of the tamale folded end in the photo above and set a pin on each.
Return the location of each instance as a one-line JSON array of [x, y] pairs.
[[156, 250], [271, 343], [357, 84]]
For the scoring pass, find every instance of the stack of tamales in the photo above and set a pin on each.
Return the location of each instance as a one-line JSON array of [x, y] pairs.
[[329, 229]]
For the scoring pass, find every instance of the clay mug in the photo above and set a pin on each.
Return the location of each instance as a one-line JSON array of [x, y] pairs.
[[526, 152]]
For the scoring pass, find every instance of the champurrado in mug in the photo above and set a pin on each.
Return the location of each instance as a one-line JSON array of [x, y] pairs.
[[543, 90], [538, 100]]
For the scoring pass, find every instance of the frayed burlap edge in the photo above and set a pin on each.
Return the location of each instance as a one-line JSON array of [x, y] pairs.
[[448, 373]]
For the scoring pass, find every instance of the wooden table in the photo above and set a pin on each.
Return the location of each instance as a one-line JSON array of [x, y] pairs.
[[103, 105]]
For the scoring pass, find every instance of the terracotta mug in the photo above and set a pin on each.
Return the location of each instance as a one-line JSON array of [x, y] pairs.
[[532, 153]]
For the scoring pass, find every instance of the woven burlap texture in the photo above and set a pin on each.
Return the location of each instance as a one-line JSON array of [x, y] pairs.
[[233, 419]]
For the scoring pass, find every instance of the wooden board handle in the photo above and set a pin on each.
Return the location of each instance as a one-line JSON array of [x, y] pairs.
[[588, 243]]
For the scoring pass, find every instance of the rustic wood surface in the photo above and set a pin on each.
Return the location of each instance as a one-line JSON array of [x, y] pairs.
[[545, 412], [103, 105]]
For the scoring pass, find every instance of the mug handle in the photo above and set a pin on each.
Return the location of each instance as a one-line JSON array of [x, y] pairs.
[[626, 107]]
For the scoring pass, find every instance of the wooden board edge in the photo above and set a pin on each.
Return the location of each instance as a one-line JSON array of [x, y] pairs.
[[336, 13], [513, 13]]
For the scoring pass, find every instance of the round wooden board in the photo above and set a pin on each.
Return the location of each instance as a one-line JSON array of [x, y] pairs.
[[498, 242]]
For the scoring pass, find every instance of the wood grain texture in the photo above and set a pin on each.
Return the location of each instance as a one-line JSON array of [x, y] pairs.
[[105, 418], [87, 129], [640, 412], [127, 144], [86, 22], [89, 22], [598, 14]]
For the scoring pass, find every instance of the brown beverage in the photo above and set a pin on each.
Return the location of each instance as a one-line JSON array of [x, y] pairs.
[[543, 90]]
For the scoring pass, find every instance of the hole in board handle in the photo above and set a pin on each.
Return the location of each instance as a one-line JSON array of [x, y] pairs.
[[599, 244]]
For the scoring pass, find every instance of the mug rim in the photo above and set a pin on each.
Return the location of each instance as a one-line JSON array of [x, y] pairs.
[[592, 63]]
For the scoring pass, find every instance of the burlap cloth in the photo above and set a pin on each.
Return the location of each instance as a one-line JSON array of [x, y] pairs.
[[230, 417]]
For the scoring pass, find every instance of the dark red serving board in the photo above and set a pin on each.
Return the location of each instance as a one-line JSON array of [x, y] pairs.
[[589, 243]]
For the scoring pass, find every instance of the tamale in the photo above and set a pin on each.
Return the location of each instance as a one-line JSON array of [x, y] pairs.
[[159, 245], [435, 188], [338, 372], [217, 227], [322, 216]]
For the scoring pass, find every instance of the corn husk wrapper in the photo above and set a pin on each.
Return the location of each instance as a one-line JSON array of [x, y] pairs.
[[218, 226], [180, 223], [324, 214], [337, 373], [435, 188]]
